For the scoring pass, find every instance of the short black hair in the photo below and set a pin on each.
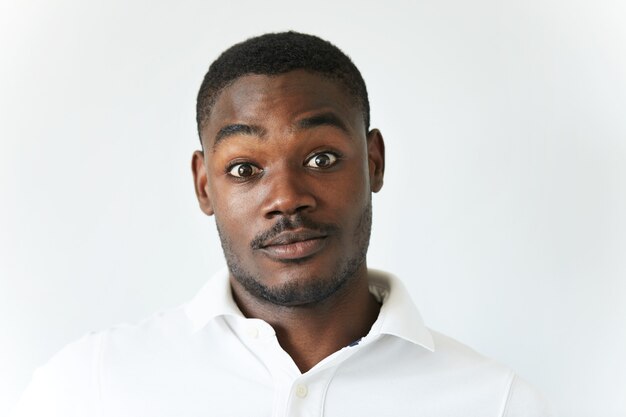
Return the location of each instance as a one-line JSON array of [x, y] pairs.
[[278, 53]]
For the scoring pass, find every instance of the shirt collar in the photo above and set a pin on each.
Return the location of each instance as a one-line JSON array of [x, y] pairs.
[[398, 315], [214, 299]]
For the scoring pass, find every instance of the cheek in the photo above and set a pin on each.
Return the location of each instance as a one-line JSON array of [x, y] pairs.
[[234, 210], [347, 194]]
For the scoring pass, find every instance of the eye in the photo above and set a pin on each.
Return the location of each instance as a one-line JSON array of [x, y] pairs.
[[322, 160], [243, 170]]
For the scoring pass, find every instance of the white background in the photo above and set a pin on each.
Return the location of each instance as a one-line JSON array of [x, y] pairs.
[[504, 208]]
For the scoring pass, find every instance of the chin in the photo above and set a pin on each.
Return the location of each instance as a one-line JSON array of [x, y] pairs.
[[296, 283]]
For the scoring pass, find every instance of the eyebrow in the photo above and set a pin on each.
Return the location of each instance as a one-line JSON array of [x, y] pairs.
[[324, 119], [237, 129]]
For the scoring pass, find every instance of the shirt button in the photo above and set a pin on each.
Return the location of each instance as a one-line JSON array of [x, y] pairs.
[[253, 332], [301, 391]]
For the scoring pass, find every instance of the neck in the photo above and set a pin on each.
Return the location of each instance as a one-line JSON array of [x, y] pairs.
[[311, 332]]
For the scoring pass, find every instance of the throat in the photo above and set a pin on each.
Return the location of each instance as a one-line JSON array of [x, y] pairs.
[[312, 331], [309, 337]]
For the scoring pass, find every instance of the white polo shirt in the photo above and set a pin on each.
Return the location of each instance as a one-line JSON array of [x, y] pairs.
[[206, 359]]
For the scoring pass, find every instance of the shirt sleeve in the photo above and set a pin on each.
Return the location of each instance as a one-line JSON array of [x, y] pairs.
[[525, 401], [67, 385]]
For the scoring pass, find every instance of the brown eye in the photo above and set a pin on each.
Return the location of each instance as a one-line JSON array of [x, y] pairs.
[[322, 160], [243, 170]]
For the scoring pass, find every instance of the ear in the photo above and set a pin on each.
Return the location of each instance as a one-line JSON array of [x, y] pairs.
[[376, 159], [200, 182]]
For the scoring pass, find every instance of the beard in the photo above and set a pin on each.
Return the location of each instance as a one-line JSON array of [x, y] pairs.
[[301, 291]]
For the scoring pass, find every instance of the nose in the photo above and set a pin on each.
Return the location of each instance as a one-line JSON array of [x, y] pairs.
[[288, 194]]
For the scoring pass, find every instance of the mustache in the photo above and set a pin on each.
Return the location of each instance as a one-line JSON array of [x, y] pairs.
[[291, 223]]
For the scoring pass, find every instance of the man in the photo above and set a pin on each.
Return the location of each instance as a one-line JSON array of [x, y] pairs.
[[296, 325]]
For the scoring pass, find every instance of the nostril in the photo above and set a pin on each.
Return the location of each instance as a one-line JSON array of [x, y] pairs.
[[282, 211], [302, 208], [287, 210], [273, 213]]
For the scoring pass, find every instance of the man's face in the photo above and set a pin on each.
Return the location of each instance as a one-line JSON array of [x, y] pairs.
[[288, 171]]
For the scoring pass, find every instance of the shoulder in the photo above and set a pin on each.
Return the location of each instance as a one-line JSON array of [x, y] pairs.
[[459, 354], [525, 401], [520, 399], [69, 373], [69, 383]]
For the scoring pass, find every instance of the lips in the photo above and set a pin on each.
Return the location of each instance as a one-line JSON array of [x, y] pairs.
[[294, 245]]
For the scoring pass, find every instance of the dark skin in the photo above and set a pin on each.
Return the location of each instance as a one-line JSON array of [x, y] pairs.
[[287, 147]]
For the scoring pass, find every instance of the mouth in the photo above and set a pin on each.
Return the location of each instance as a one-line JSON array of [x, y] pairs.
[[294, 245]]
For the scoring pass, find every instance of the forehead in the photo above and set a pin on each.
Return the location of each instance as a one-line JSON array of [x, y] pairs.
[[275, 100]]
